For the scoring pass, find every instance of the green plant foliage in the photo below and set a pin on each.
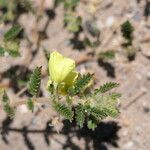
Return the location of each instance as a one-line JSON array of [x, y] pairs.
[[63, 110], [30, 104], [79, 103], [10, 111], [9, 14], [10, 44], [111, 111], [27, 5], [5, 98], [106, 87], [35, 80], [12, 48], [80, 115], [114, 95], [127, 31], [13, 53], [72, 22], [2, 51], [12, 33], [98, 113], [71, 4], [131, 52], [89, 43], [57, 2], [91, 125], [51, 88], [107, 55], [68, 5], [3, 3], [101, 112], [105, 105], [11, 7], [81, 84]]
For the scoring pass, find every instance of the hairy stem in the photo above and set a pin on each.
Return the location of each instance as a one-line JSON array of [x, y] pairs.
[[21, 91]]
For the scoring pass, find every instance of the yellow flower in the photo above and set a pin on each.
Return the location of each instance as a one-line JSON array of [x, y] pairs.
[[62, 70]]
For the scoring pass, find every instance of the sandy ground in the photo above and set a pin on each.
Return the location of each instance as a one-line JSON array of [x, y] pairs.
[[131, 130]]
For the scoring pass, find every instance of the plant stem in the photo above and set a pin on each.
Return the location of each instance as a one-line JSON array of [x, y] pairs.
[[21, 91]]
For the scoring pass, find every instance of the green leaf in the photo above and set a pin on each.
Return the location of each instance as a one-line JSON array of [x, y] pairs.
[[9, 110], [106, 87], [5, 98], [105, 105], [127, 31], [91, 125], [71, 4], [58, 2], [111, 111], [4, 3], [80, 85], [6, 105], [27, 5], [89, 43], [2, 51], [102, 113], [35, 80], [51, 88], [12, 33], [114, 95], [80, 115], [13, 53], [73, 22], [107, 55], [98, 113], [63, 110], [12, 48], [30, 104]]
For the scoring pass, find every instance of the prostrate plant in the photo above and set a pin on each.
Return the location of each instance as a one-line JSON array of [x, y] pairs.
[[6, 104], [127, 32], [71, 19], [11, 7], [110, 54], [71, 94], [73, 23], [10, 43]]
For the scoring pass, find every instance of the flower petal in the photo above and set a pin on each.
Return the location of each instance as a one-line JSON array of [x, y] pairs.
[[72, 76], [60, 67]]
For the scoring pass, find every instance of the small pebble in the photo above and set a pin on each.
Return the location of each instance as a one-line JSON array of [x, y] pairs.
[[110, 21], [128, 146]]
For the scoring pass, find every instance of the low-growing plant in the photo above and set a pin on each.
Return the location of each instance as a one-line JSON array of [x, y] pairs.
[[11, 8], [127, 32], [74, 24], [72, 21], [110, 54], [71, 95], [10, 43]]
